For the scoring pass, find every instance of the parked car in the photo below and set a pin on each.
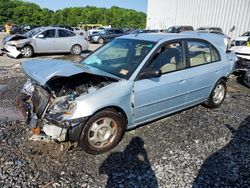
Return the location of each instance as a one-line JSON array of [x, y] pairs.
[[27, 28], [44, 40], [239, 45], [132, 80], [95, 30], [210, 29], [79, 31], [246, 34], [15, 29], [177, 29], [106, 35]]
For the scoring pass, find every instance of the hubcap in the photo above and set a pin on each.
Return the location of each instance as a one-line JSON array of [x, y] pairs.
[[102, 132], [77, 50], [101, 41], [26, 51], [218, 94]]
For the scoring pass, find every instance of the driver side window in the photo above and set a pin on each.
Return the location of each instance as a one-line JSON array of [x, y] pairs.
[[169, 58], [49, 33]]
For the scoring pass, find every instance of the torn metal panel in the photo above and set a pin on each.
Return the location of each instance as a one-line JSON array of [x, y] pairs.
[[11, 51], [51, 106]]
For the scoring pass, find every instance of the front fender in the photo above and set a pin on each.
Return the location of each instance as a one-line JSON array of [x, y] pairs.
[[106, 97]]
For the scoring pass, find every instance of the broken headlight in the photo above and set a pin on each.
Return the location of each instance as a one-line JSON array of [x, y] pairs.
[[62, 109]]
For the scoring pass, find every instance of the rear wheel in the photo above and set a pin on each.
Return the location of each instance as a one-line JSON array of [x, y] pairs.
[[76, 49], [100, 40], [217, 95], [102, 132], [27, 51]]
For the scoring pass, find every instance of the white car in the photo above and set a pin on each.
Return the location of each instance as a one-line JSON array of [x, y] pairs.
[[239, 46], [79, 31], [44, 40]]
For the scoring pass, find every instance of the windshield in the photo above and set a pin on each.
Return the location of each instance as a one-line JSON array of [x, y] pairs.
[[33, 32], [120, 57]]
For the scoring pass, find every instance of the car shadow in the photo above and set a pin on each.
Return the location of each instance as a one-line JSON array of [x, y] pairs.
[[230, 166], [130, 168]]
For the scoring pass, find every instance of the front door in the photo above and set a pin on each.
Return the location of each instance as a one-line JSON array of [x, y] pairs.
[[156, 97], [47, 43]]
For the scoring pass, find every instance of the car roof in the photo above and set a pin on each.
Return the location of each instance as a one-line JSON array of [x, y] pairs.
[[215, 39], [50, 27], [155, 37]]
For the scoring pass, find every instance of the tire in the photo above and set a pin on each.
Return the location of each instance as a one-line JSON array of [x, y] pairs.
[[100, 41], [27, 51], [217, 95], [76, 49], [102, 132]]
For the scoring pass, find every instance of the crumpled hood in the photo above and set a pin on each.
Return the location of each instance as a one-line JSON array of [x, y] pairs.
[[42, 71], [14, 37]]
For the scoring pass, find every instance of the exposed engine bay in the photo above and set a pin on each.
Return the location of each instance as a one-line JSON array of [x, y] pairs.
[[50, 107]]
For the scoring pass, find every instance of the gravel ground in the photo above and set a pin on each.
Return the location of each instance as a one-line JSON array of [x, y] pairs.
[[197, 147]]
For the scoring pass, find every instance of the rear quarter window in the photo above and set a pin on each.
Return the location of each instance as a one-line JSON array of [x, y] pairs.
[[65, 33], [202, 52]]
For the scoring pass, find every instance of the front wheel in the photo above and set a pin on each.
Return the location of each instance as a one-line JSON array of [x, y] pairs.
[[76, 50], [217, 95], [102, 132], [27, 51]]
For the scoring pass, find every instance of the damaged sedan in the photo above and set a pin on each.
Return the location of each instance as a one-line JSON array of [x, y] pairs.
[[44, 40], [128, 82]]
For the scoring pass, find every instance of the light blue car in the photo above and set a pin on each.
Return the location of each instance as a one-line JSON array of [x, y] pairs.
[[128, 82]]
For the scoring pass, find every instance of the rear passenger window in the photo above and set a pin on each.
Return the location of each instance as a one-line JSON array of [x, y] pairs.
[[65, 33], [201, 53]]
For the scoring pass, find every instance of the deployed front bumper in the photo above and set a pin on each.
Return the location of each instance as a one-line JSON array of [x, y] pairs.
[[54, 129], [11, 51]]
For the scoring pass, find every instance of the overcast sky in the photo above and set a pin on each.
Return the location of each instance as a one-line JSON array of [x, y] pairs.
[[139, 5]]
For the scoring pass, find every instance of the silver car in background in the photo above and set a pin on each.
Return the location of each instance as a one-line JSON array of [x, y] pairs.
[[44, 40]]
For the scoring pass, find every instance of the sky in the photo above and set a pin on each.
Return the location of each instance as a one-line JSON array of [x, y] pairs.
[[139, 5]]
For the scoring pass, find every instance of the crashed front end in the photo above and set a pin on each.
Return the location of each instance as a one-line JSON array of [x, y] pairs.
[[49, 109], [46, 112], [12, 45]]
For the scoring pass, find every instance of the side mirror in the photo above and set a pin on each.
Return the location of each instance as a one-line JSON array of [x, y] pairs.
[[41, 36], [150, 73]]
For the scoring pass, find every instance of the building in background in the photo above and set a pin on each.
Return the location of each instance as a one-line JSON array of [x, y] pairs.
[[162, 14]]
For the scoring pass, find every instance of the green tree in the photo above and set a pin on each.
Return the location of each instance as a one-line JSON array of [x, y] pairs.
[[21, 12]]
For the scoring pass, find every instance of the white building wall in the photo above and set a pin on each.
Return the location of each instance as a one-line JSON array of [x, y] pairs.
[[162, 14]]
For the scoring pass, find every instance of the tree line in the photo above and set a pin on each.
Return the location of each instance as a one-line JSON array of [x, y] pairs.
[[21, 12]]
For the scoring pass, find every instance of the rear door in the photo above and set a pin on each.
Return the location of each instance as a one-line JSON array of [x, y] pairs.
[[205, 69], [64, 40]]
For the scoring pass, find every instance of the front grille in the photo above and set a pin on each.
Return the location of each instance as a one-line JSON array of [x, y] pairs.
[[40, 100]]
